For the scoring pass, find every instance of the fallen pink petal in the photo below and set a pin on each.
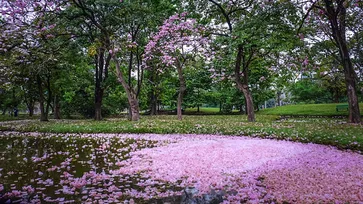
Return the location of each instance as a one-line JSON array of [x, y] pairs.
[[178, 167]]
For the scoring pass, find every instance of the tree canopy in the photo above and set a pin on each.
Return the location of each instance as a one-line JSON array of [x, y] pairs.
[[102, 57]]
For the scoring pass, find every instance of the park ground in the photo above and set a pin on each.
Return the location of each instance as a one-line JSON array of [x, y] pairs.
[[161, 159]]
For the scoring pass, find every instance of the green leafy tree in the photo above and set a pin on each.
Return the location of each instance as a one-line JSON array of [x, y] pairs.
[[332, 19], [309, 91], [255, 30], [198, 84]]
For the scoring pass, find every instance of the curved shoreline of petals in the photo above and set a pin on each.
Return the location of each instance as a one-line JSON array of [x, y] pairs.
[[292, 172], [242, 168]]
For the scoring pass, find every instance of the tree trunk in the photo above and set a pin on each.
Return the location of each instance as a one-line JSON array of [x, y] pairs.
[[134, 107], [350, 81], [182, 89], [131, 95], [278, 98], [154, 92], [98, 90], [249, 104], [354, 112], [30, 106], [129, 80], [49, 98], [153, 104], [101, 75], [243, 85], [337, 18], [140, 72], [29, 98], [98, 103], [245, 105], [56, 107], [179, 104], [153, 108], [198, 102], [31, 109], [43, 114]]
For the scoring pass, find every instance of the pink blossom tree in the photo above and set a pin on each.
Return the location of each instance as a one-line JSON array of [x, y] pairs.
[[26, 37], [179, 40]]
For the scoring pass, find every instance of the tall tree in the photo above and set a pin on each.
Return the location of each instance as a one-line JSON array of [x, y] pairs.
[[178, 41], [330, 18], [250, 30], [139, 20], [97, 22], [117, 32], [28, 39]]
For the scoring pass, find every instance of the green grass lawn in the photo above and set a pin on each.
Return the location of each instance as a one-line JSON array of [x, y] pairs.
[[291, 110], [204, 110], [326, 131], [6, 117], [329, 131], [307, 110]]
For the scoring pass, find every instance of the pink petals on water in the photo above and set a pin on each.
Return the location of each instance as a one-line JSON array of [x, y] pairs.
[[143, 168]]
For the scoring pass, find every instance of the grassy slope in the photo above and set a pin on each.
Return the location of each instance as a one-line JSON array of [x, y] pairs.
[[298, 110], [306, 110]]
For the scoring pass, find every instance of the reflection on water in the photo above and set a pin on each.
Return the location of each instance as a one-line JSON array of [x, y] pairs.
[[66, 168]]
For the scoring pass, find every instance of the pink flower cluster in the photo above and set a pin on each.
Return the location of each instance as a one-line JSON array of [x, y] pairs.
[[177, 38]]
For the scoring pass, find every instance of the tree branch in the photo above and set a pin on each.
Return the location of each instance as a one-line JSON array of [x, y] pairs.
[[307, 14], [228, 20]]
